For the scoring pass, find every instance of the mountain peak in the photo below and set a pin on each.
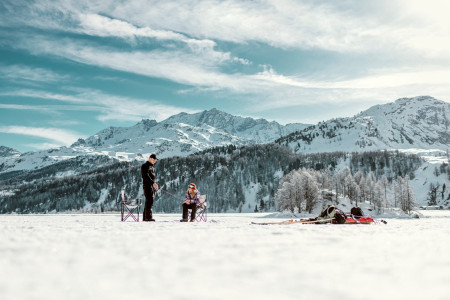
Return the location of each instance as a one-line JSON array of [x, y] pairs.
[[417, 98], [147, 124], [421, 122], [7, 151]]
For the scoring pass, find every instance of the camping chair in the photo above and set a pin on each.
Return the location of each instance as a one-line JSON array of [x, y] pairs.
[[131, 207], [201, 213]]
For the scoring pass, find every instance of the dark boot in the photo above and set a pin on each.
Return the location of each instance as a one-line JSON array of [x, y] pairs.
[[151, 215]]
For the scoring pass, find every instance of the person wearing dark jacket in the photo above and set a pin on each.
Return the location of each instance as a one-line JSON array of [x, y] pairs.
[[150, 187]]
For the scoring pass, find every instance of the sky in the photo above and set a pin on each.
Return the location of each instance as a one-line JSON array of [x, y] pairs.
[[69, 69]]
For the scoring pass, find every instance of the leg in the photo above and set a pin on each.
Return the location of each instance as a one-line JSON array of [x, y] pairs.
[[194, 210], [148, 213], [185, 212]]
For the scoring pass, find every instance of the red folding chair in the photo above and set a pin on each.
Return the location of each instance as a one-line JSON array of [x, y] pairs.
[[130, 207]]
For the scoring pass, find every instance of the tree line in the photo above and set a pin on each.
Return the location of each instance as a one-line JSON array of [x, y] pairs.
[[223, 173], [305, 189]]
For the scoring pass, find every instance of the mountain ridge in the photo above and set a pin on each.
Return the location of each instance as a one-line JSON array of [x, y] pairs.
[[418, 122], [8, 152], [178, 135]]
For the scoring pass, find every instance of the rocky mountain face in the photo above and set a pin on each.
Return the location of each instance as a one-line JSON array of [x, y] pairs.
[[8, 152], [197, 131], [179, 135], [419, 123]]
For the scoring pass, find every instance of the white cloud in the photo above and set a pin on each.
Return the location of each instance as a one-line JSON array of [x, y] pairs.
[[268, 87], [97, 25], [397, 25], [43, 146], [109, 107], [21, 107], [393, 28], [60, 136], [344, 26], [384, 79], [23, 72]]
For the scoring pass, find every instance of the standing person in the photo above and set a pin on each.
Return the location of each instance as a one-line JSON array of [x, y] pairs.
[[190, 202], [150, 187]]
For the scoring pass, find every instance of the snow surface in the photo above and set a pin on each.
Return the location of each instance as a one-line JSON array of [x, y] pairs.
[[99, 257]]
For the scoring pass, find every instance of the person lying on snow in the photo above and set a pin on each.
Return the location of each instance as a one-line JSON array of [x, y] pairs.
[[330, 214], [190, 202]]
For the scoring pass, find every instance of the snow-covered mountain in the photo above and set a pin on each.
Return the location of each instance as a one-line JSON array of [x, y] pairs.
[[179, 135], [408, 123], [185, 133], [8, 152]]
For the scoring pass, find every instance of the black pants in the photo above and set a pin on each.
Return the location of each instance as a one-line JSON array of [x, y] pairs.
[[149, 198], [185, 210]]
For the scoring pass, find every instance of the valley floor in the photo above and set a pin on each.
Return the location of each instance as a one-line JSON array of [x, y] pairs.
[[99, 257]]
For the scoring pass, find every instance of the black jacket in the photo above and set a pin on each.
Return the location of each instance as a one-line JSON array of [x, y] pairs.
[[148, 175]]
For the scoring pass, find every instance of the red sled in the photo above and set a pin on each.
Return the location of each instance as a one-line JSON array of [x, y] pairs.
[[361, 220]]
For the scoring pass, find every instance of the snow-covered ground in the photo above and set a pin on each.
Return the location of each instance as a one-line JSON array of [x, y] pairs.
[[99, 257]]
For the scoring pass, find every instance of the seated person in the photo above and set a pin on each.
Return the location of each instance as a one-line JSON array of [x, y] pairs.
[[190, 202]]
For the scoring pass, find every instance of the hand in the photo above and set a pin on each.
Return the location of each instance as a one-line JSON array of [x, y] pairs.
[[155, 186], [188, 201]]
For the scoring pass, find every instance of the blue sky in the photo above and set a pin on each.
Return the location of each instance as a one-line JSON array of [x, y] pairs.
[[71, 68]]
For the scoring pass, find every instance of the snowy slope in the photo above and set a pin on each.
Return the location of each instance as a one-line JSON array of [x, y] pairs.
[[179, 135], [428, 174], [8, 152], [98, 257], [420, 122]]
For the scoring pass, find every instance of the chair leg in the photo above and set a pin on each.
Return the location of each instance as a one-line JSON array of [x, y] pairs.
[[130, 213]]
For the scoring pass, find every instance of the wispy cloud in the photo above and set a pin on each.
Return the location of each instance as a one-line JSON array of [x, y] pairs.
[[22, 107], [344, 26], [58, 136], [43, 146], [23, 72], [384, 79], [331, 25], [188, 54], [97, 25], [109, 107], [263, 90], [179, 66]]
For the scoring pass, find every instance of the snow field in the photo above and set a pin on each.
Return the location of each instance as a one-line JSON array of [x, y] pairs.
[[99, 257]]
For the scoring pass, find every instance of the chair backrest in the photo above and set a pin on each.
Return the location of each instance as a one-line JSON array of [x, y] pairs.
[[202, 203], [130, 207]]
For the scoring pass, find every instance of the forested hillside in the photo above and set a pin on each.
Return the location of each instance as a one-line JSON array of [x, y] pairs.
[[225, 174]]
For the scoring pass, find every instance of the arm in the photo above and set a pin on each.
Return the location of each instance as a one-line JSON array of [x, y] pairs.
[[196, 198], [148, 176], [144, 174]]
